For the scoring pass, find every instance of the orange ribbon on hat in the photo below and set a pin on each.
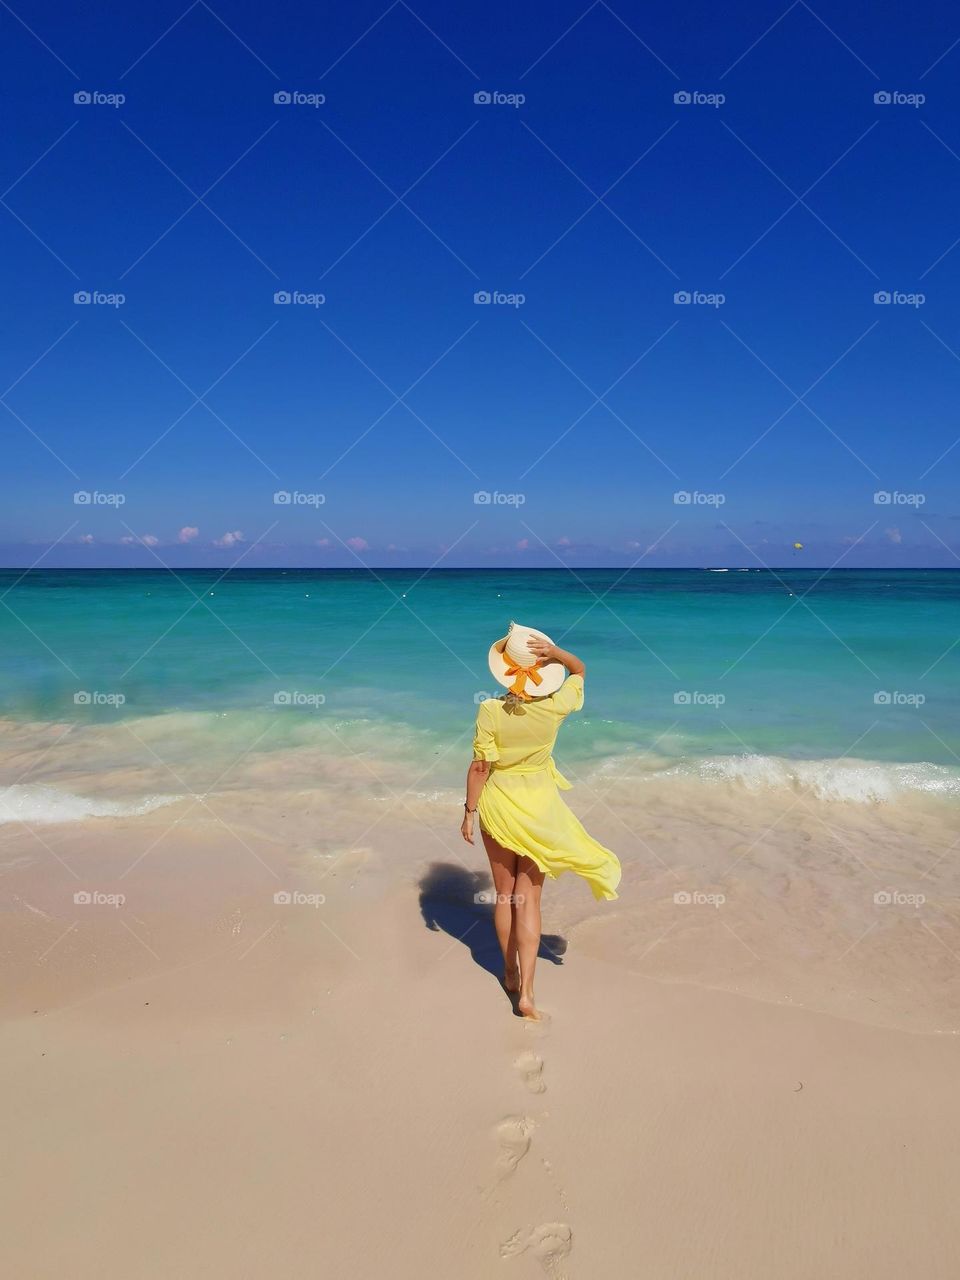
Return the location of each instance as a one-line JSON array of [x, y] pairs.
[[522, 674]]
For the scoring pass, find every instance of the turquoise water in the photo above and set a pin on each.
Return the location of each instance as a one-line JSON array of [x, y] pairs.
[[790, 664]]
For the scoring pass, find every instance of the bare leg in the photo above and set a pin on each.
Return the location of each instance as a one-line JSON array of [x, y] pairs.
[[503, 865], [529, 884]]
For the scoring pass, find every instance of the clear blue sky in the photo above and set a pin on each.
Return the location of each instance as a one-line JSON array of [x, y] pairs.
[[400, 197]]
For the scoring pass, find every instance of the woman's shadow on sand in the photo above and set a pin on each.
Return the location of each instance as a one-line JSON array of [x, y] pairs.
[[459, 902]]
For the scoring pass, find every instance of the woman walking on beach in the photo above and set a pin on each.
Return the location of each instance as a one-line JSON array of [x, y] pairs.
[[528, 831]]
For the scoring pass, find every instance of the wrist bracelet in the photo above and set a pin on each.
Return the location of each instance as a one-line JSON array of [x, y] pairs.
[[466, 810]]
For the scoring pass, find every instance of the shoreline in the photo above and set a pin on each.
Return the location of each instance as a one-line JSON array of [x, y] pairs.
[[843, 908]]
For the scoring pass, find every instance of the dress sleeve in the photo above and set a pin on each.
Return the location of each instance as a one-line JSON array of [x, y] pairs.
[[569, 697], [485, 738]]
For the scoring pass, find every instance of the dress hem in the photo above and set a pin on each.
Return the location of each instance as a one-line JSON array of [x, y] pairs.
[[601, 895]]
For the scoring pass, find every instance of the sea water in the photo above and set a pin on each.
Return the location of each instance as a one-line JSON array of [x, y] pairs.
[[843, 683]]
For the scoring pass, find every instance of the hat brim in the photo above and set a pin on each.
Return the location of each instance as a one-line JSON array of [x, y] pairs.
[[552, 674]]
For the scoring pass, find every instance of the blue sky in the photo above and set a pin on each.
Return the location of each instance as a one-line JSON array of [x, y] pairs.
[[582, 410]]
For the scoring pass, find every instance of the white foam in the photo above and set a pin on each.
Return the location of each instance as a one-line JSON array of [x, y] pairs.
[[859, 781], [833, 779], [36, 805]]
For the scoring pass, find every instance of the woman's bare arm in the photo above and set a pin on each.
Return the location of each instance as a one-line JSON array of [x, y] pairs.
[[476, 776], [553, 653]]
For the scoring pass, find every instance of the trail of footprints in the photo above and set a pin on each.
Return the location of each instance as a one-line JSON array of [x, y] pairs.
[[550, 1242]]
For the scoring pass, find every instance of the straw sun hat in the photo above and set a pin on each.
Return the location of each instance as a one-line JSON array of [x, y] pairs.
[[514, 665]]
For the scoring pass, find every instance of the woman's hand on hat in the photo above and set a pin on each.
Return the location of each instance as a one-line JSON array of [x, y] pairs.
[[542, 650]]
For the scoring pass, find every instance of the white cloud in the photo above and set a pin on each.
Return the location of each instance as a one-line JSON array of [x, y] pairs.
[[894, 535], [188, 533], [229, 539], [358, 544], [86, 538]]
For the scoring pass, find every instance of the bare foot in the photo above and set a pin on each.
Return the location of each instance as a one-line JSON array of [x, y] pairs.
[[511, 979], [528, 1009]]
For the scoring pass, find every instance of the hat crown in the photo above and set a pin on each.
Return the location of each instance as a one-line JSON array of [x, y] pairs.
[[516, 647]]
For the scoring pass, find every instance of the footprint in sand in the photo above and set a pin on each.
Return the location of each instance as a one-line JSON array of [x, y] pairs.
[[561, 1194], [530, 1066], [550, 1243], [233, 923], [514, 1135]]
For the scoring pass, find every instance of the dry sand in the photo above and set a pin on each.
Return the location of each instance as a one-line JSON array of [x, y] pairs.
[[203, 1083]]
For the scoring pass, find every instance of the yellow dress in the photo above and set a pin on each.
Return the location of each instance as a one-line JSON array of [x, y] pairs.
[[520, 805]]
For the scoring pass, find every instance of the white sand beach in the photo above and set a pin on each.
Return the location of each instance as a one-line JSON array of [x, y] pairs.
[[208, 1083]]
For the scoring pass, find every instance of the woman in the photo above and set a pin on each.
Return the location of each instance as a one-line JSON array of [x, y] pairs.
[[527, 830]]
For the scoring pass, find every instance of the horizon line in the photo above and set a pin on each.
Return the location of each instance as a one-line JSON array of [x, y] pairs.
[[481, 568]]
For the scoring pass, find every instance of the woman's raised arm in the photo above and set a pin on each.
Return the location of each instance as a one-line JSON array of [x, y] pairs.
[[547, 652]]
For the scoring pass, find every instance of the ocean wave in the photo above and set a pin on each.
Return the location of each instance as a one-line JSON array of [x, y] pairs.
[[41, 805], [856, 781]]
